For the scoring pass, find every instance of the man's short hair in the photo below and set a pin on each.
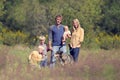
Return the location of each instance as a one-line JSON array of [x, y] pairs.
[[58, 16]]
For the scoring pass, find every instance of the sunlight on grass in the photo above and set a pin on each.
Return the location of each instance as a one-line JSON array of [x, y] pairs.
[[92, 65]]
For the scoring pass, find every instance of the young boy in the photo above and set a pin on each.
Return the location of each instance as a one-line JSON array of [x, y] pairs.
[[43, 63], [67, 34]]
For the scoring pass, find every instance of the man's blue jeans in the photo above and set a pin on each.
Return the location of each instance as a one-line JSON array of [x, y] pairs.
[[54, 51]]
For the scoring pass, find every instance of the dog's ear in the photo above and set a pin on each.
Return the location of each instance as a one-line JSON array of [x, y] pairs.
[[31, 54], [29, 57]]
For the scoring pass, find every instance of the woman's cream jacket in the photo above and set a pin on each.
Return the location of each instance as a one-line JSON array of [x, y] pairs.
[[77, 37]]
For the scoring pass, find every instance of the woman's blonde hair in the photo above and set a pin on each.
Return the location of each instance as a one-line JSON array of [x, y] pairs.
[[76, 20]]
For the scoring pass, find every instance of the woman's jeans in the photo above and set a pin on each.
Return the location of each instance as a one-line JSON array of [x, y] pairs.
[[75, 53], [54, 51]]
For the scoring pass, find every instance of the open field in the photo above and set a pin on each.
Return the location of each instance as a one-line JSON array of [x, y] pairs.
[[92, 65]]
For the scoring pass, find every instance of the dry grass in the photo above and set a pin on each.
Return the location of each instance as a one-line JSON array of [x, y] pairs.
[[92, 65]]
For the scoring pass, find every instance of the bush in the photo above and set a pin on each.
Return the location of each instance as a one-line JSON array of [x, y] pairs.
[[90, 41], [116, 41], [106, 41], [12, 38]]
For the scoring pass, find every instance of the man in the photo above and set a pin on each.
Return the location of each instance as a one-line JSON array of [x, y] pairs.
[[55, 39]]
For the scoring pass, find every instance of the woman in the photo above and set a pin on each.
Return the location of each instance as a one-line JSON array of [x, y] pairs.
[[77, 38]]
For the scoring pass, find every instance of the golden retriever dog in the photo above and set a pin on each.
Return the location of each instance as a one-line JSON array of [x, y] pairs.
[[35, 58]]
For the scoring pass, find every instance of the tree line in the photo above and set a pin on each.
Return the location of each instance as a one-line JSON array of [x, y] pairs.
[[31, 18]]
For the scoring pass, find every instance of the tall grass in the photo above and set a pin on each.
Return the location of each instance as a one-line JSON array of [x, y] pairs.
[[92, 65]]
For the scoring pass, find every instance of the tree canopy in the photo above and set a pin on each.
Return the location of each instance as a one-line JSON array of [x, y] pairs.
[[34, 17]]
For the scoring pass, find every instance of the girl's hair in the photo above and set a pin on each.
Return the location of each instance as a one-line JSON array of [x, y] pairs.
[[76, 20]]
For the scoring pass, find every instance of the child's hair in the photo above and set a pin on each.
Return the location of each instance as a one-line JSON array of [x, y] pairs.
[[66, 27], [41, 47], [42, 38]]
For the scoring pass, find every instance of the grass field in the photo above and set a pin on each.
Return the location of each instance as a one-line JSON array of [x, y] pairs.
[[92, 65]]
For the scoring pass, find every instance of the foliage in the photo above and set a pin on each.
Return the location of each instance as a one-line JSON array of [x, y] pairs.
[[27, 16], [2, 7], [11, 38], [111, 11], [34, 17], [106, 41], [116, 41]]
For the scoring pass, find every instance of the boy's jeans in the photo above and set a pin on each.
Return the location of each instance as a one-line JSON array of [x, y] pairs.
[[43, 63]]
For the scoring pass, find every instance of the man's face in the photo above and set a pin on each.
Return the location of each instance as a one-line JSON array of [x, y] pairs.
[[58, 20]]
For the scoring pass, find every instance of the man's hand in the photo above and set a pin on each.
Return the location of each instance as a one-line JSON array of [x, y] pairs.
[[49, 46]]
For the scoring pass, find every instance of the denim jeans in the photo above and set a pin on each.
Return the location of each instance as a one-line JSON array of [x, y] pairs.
[[75, 53], [43, 63], [54, 51]]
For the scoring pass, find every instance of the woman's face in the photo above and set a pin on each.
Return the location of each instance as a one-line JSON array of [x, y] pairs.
[[75, 24]]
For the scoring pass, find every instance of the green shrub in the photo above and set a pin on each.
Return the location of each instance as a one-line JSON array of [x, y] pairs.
[[90, 41], [12, 38], [21, 37], [1, 38], [106, 41], [116, 41]]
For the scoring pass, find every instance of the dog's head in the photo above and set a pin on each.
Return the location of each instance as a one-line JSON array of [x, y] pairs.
[[59, 52], [35, 56]]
